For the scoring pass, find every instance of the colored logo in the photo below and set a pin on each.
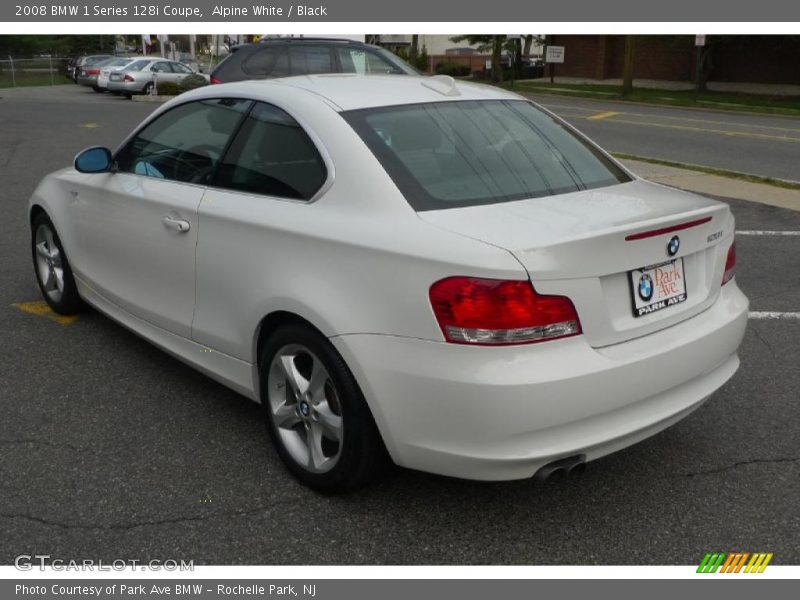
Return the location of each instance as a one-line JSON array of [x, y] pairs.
[[645, 287], [673, 245], [734, 562]]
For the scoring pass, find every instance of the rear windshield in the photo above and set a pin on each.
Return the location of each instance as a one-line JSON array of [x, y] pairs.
[[466, 153]]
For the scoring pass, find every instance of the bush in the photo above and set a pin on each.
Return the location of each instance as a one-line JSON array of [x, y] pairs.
[[452, 69], [192, 82], [167, 88]]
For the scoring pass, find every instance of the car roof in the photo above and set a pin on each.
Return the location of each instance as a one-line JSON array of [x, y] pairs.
[[352, 92]]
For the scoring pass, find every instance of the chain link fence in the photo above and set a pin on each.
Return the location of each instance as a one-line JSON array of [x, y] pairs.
[[18, 72]]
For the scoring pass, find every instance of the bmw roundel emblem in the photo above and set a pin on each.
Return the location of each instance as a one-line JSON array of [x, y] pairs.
[[645, 287], [673, 245]]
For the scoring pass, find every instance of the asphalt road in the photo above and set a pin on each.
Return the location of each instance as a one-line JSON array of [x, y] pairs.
[[111, 449], [750, 143]]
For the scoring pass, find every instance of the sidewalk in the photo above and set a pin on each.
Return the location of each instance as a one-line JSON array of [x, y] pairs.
[[766, 89], [716, 185]]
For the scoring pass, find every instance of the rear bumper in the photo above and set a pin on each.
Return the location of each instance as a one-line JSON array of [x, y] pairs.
[[127, 87], [88, 80], [502, 413]]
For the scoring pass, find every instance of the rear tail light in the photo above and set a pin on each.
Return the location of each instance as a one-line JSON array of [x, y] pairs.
[[730, 264], [129, 78], [215, 80], [93, 72], [497, 312]]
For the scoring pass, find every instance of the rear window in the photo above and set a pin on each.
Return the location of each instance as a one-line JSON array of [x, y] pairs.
[[466, 153]]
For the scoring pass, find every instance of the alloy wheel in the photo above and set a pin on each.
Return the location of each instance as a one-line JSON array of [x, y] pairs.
[[305, 408], [49, 265]]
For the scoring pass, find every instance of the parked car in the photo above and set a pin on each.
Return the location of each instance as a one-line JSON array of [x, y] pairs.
[[438, 270], [85, 62], [143, 74], [108, 67], [69, 68], [284, 57]]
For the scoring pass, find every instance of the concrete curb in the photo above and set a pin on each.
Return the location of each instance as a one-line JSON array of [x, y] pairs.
[[148, 98], [715, 185], [528, 93]]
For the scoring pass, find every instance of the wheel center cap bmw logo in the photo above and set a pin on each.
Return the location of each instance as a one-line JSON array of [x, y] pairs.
[[305, 409], [645, 287], [673, 245]]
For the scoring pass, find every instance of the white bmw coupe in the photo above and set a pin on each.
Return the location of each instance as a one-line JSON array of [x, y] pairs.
[[408, 267]]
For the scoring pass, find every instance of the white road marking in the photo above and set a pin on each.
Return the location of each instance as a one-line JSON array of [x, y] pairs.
[[773, 315], [761, 232]]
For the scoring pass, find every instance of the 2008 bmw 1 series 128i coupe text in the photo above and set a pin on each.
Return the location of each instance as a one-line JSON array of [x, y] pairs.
[[438, 273]]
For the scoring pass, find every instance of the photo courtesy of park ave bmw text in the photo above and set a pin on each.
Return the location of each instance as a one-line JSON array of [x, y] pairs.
[[341, 299]]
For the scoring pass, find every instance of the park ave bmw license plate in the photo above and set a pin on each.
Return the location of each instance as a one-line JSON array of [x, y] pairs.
[[657, 287]]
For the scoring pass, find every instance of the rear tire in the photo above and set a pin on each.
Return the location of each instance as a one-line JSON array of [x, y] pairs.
[[148, 88], [310, 398], [52, 269]]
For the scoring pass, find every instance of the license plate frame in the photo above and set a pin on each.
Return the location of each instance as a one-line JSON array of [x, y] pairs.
[[666, 285]]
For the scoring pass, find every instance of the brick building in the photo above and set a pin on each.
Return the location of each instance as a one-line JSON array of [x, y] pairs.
[[739, 58]]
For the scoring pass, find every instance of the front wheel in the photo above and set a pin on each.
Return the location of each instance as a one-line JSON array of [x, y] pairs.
[[53, 273], [316, 415]]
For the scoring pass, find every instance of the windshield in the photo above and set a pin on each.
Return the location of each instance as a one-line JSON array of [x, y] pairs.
[[465, 153]]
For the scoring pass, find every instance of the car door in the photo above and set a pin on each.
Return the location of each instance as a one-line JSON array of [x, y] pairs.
[[162, 71], [180, 71], [246, 253], [138, 225]]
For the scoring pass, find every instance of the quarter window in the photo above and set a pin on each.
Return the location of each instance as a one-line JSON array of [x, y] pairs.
[[272, 155], [271, 61], [186, 143]]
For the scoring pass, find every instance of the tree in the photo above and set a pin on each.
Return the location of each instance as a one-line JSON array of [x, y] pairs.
[[413, 51], [627, 68], [529, 41], [487, 42]]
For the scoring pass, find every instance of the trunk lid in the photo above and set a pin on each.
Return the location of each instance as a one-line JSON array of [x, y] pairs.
[[585, 245]]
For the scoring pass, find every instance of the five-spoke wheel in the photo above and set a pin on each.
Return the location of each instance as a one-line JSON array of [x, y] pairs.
[[316, 414], [52, 268]]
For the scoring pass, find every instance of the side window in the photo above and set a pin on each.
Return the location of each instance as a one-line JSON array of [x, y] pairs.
[[365, 62], [181, 68], [305, 60], [161, 67], [186, 143], [272, 155], [271, 61]]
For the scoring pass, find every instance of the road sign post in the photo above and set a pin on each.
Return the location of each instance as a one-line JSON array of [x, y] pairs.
[[552, 56], [699, 43]]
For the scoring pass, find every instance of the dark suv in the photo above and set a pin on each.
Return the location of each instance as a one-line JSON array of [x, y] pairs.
[[284, 57]]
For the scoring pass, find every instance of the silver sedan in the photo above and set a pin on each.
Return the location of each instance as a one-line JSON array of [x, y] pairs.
[[141, 76]]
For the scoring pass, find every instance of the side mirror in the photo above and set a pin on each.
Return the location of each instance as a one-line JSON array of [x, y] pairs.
[[94, 160]]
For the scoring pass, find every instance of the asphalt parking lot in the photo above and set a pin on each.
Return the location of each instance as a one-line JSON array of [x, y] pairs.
[[111, 449]]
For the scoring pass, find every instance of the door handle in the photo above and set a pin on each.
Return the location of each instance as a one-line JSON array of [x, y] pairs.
[[178, 225]]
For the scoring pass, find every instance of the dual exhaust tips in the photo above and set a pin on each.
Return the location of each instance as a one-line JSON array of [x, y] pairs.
[[561, 468]]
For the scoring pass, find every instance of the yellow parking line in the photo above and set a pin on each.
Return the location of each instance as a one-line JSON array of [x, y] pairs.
[[602, 115], [89, 125], [41, 309]]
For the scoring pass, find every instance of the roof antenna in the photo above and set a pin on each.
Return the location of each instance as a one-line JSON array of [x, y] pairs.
[[442, 84]]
